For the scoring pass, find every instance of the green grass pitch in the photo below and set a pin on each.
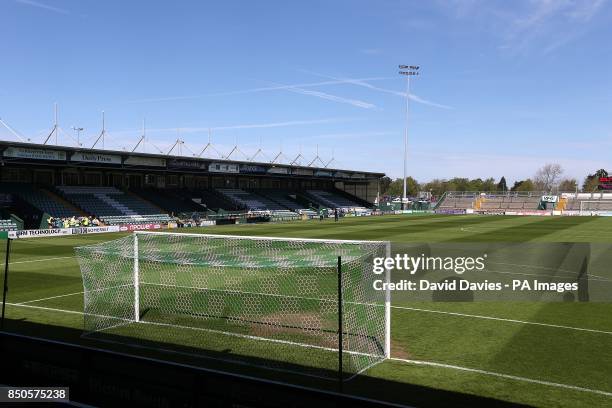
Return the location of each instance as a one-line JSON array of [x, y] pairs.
[[544, 354]]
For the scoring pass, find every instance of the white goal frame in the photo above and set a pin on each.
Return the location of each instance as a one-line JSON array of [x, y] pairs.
[[387, 304], [588, 212]]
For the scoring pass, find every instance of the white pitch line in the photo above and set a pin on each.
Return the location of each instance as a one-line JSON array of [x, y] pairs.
[[46, 308], [40, 260], [506, 376], [50, 297], [500, 319], [247, 336], [72, 294], [429, 363]]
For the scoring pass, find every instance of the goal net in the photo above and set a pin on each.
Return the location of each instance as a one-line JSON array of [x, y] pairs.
[[591, 207], [301, 305]]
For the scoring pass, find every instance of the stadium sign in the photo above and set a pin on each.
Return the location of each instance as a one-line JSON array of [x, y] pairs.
[[278, 170], [223, 168], [550, 198], [252, 168], [186, 164], [145, 161], [303, 172], [34, 154], [95, 158], [322, 173]]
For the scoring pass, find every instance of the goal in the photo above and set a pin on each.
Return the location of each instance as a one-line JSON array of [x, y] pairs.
[[301, 305], [589, 207]]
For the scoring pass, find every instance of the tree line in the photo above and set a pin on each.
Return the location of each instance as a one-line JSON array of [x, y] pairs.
[[549, 178]]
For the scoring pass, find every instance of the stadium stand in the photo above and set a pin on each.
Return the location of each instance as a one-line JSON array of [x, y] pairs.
[[331, 199], [251, 200], [212, 199], [592, 201], [510, 201], [457, 200], [490, 201], [109, 202], [169, 200], [137, 219], [8, 225], [282, 197], [38, 199]]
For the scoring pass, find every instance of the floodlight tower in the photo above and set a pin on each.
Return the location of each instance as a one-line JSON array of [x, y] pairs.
[[408, 71]]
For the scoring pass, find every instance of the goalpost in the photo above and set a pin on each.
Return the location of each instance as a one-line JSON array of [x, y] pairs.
[[587, 207], [300, 305]]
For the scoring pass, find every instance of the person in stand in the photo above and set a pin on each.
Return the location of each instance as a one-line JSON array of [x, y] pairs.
[[336, 214], [50, 221]]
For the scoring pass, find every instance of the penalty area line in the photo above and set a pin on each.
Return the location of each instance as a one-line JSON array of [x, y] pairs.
[[501, 375]]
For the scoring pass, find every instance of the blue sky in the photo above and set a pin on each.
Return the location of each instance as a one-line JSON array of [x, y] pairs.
[[505, 87]]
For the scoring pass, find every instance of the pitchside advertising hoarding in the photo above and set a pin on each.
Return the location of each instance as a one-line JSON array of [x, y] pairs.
[[139, 227], [58, 232]]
